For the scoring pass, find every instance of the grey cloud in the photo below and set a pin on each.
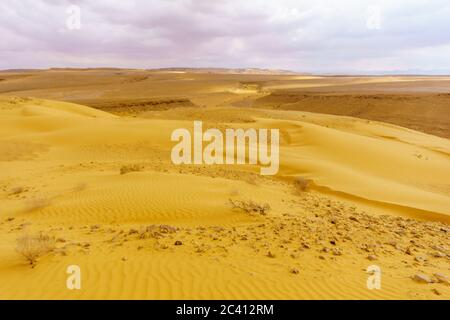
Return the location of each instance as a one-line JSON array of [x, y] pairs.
[[313, 36]]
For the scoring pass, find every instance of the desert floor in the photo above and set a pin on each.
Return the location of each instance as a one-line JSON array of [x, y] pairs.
[[364, 180]]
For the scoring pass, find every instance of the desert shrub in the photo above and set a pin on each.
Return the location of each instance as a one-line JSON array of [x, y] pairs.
[[250, 206], [130, 168], [302, 184], [16, 190], [34, 247]]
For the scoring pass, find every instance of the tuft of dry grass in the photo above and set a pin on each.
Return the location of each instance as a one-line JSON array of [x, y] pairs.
[[250, 206], [130, 168], [34, 247]]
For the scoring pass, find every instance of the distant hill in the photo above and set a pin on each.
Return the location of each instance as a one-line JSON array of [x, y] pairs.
[[229, 70], [191, 70]]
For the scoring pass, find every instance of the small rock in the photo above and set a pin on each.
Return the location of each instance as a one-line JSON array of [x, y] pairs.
[[436, 292], [372, 257], [420, 258], [178, 243], [165, 228], [306, 245], [422, 278], [132, 231], [438, 254], [270, 255], [124, 258], [337, 251], [440, 248], [294, 271]]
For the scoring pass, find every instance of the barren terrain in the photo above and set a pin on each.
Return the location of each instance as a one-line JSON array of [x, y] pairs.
[[363, 180]]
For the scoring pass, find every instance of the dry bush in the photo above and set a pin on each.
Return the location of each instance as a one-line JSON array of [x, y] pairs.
[[250, 206], [17, 190], [130, 168], [34, 247], [36, 204], [302, 184]]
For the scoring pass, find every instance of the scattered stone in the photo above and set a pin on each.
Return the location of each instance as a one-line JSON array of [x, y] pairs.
[[178, 243], [270, 255], [124, 258]]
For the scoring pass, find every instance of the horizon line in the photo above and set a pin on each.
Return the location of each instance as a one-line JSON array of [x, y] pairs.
[[262, 70]]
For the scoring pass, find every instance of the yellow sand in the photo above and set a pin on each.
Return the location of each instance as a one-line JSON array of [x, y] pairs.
[[60, 174]]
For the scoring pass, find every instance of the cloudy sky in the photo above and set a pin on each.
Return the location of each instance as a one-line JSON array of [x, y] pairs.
[[348, 36]]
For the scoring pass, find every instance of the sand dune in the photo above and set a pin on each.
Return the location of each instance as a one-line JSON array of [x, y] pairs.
[[348, 189]]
